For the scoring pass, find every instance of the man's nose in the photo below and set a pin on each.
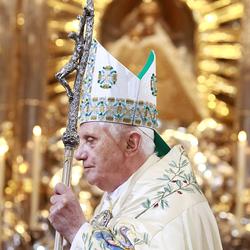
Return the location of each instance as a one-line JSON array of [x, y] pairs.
[[80, 153]]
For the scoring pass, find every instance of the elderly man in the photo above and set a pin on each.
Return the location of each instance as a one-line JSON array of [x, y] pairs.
[[151, 199]]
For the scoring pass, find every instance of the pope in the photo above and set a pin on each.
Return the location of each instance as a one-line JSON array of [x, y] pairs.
[[151, 198]]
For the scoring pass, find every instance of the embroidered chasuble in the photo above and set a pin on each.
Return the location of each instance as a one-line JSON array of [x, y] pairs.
[[159, 207]]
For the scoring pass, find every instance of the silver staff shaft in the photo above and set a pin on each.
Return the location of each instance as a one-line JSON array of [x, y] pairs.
[[78, 63], [66, 176]]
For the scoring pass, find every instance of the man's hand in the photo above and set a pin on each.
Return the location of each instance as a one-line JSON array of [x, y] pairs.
[[66, 215]]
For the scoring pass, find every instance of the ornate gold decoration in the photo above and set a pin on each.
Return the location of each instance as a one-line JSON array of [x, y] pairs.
[[218, 50]]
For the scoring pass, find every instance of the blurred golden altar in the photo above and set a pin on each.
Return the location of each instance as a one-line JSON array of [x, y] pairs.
[[203, 66]]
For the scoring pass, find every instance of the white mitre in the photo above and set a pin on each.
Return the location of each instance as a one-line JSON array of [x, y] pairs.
[[112, 93]]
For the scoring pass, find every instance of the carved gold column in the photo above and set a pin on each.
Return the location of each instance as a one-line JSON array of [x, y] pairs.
[[244, 86], [8, 42], [32, 77], [32, 20], [243, 121]]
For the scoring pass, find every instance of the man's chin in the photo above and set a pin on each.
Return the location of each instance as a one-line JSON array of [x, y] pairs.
[[90, 178], [94, 182]]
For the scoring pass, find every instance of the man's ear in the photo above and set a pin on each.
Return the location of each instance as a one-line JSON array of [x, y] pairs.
[[133, 142]]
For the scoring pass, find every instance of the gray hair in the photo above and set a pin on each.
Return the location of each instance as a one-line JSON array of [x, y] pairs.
[[147, 145]]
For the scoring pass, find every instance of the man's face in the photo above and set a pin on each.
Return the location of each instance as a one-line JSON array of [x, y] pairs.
[[102, 156]]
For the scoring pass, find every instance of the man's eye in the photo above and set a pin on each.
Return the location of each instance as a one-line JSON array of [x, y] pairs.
[[90, 139]]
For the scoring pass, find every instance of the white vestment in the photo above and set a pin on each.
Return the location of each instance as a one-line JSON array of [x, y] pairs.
[[159, 207]]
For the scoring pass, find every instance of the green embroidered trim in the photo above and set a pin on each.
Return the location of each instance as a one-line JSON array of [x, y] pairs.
[[87, 239], [87, 82], [102, 219], [118, 110], [107, 77], [150, 60], [153, 85], [177, 181], [145, 240]]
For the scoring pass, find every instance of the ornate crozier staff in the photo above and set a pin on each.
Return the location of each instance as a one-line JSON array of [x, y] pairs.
[[77, 62]]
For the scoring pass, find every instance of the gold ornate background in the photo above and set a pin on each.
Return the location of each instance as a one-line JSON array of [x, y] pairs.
[[202, 49]]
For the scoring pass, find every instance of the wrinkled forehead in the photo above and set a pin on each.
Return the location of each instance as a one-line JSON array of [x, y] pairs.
[[91, 127], [97, 128], [103, 131], [104, 124]]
